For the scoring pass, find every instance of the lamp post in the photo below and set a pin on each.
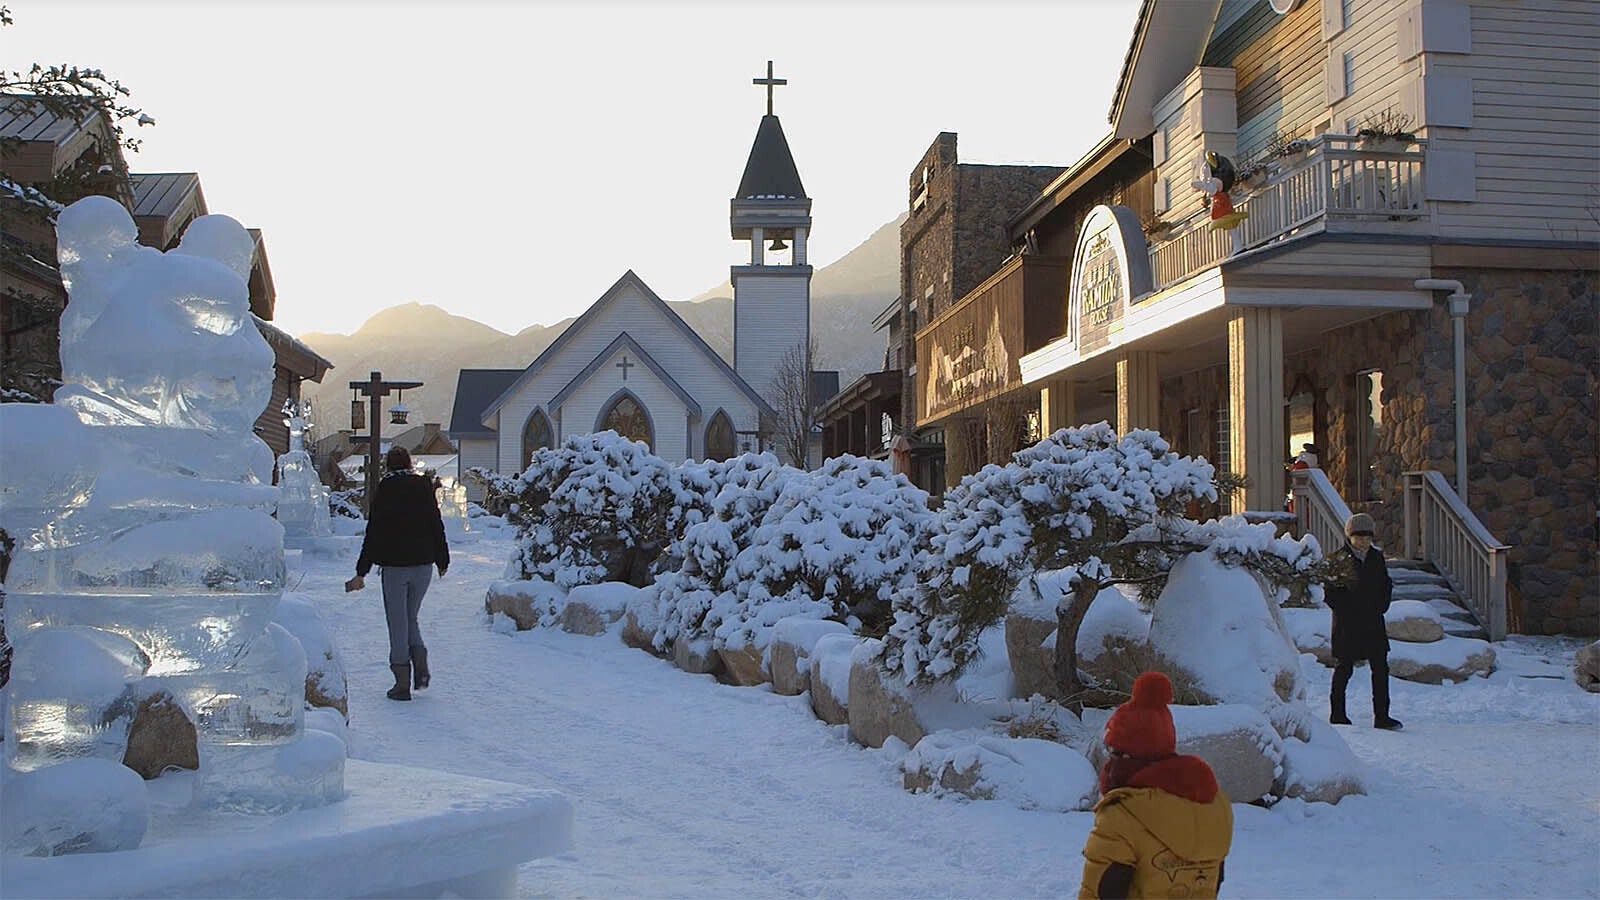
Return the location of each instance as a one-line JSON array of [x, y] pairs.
[[375, 389]]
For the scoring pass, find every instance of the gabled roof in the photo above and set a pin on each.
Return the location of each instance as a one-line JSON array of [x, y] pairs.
[[616, 290], [475, 390], [770, 172], [625, 341], [164, 204], [25, 118], [1169, 38]]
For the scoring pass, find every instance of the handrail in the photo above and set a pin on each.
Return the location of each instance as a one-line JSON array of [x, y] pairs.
[[1337, 179], [1318, 508], [1441, 529]]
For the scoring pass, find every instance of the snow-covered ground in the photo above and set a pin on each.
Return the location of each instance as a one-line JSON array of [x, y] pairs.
[[688, 788]]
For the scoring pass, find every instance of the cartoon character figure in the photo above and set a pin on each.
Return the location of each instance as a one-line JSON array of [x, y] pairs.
[[1217, 179]]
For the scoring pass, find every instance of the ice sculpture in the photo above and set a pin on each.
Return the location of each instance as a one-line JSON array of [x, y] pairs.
[[148, 561], [303, 498]]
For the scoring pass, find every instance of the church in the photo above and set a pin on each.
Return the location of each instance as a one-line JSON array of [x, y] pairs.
[[630, 364]]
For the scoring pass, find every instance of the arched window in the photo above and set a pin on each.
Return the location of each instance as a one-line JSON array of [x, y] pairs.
[[720, 438], [535, 435], [627, 418]]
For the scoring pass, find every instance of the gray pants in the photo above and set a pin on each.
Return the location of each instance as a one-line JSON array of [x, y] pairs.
[[403, 587]]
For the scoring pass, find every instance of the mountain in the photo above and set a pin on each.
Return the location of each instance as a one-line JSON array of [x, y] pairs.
[[422, 342]]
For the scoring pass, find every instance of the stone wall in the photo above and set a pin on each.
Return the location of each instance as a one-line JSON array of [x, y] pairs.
[[986, 199], [1533, 454]]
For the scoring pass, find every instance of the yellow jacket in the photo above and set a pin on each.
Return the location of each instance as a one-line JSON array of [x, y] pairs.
[[1175, 846]]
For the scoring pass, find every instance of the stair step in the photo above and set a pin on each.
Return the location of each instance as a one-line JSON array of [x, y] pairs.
[[1415, 576], [1410, 564], [1423, 592]]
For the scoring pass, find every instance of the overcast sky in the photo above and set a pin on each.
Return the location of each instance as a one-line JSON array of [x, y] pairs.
[[508, 161]]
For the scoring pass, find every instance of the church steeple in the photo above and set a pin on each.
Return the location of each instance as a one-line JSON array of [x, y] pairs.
[[771, 296]]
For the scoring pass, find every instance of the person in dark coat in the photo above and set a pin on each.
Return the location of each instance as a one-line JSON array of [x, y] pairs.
[[1359, 600], [405, 538]]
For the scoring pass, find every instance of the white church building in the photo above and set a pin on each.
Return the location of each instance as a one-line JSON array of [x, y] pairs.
[[630, 364]]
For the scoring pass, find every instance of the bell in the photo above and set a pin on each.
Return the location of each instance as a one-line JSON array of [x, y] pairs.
[[358, 415], [777, 244]]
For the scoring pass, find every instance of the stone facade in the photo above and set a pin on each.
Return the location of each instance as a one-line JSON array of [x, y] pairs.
[[1533, 460], [955, 235]]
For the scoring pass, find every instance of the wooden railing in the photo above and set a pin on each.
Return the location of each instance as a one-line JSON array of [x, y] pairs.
[[1441, 529], [1318, 508], [1337, 182]]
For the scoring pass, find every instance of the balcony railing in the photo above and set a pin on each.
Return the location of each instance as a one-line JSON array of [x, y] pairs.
[[1337, 182]]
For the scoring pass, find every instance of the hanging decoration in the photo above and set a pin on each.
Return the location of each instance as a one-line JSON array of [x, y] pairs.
[[1217, 179]]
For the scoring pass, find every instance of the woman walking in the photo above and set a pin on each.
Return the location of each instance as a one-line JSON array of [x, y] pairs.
[[405, 539]]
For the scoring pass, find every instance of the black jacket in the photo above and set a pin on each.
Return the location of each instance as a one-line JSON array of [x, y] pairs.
[[1358, 627], [404, 527]]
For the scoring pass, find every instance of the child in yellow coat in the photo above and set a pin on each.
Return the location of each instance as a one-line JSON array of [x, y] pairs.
[[1162, 827]]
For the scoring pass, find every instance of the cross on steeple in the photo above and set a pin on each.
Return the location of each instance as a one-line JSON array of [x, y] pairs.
[[770, 83], [625, 366]]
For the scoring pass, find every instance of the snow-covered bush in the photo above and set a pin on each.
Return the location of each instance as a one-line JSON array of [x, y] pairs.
[[741, 490], [1108, 509], [594, 509], [838, 544], [347, 503]]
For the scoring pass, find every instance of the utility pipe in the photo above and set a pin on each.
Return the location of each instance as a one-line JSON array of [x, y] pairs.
[[1459, 298]]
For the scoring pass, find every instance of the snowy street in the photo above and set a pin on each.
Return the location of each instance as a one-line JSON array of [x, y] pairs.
[[686, 787]]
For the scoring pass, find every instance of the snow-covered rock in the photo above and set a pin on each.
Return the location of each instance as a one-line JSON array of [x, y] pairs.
[[1320, 768], [591, 608], [1413, 620], [1113, 620], [1217, 624], [1032, 666], [1455, 658], [640, 620], [743, 665], [1586, 667], [1311, 629], [1237, 741], [697, 656], [1027, 772], [793, 639], [529, 604], [830, 677], [880, 704]]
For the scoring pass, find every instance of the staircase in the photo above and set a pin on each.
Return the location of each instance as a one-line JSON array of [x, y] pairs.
[[1418, 580]]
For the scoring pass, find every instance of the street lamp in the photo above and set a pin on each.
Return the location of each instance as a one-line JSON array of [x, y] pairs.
[[375, 389]]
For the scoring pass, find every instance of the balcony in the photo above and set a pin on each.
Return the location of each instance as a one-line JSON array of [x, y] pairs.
[[1336, 185]]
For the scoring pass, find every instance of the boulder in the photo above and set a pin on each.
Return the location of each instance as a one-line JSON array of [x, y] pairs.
[[1311, 629], [830, 677], [1320, 767], [1453, 658], [591, 608], [1586, 667], [742, 665], [789, 657], [879, 705], [1414, 621], [1239, 743], [527, 603], [696, 656], [1027, 772], [161, 737], [640, 619]]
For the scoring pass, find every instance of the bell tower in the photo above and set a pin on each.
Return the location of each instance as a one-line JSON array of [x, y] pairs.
[[771, 294]]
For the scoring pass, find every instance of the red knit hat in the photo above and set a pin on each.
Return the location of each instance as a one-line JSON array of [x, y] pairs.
[[1142, 727]]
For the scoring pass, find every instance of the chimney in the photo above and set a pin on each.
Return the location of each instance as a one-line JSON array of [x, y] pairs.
[[430, 430]]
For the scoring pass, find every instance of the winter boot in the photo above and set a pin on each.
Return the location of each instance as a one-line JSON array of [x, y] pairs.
[[1387, 724], [420, 676], [402, 682]]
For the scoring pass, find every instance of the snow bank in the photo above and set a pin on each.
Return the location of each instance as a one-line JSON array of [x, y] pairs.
[[1028, 773]]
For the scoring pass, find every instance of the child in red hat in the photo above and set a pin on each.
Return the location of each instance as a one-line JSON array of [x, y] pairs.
[[1162, 827]]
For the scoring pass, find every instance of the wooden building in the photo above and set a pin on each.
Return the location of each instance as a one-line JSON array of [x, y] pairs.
[[1423, 309]]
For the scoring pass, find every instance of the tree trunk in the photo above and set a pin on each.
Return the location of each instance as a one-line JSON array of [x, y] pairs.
[[1068, 621]]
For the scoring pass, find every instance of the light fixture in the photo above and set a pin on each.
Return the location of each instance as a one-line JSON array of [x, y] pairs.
[[398, 413]]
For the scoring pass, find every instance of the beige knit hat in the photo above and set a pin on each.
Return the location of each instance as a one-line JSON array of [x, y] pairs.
[[1360, 523]]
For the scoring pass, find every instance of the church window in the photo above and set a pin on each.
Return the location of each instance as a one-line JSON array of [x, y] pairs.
[[627, 418], [536, 435], [720, 437]]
